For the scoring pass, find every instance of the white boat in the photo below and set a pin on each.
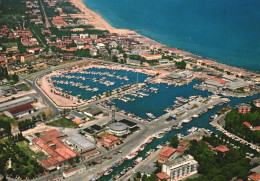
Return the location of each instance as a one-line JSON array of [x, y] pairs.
[[150, 115], [137, 161]]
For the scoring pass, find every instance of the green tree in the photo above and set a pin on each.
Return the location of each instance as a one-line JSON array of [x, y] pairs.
[[174, 141]]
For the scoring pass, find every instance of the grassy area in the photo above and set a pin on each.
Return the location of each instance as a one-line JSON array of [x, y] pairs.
[[24, 146], [24, 86], [63, 122], [10, 120]]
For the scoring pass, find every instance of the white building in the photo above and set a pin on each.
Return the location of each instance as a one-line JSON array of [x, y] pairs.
[[180, 167], [83, 35], [70, 173]]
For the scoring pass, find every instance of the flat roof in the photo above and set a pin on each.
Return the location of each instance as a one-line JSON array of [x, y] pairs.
[[80, 141], [14, 103], [128, 123]]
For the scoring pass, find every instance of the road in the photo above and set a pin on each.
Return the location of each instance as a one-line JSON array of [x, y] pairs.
[[47, 23]]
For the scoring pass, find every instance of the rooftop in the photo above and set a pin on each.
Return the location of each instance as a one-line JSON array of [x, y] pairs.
[[80, 141], [20, 109], [221, 148], [162, 175], [117, 126], [167, 151], [254, 177]]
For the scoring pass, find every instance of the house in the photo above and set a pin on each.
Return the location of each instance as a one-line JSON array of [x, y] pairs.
[[115, 52], [166, 154], [247, 124], [5, 90], [183, 145], [93, 36], [80, 143], [113, 44], [151, 57], [180, 168], [254, 177], [93, 52], [243, 108], [83, 36], [257, 102], [109, 141], [163, 176], [100, 46], [221, 149]]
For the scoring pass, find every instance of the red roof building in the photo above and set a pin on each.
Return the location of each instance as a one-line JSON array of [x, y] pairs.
[[218, 80], [50, 143], [19, 111], [247, 124], [243, 108], [254, 177], [183, 144], [163, 176], [109, 141], [165, 154], [221, 148]]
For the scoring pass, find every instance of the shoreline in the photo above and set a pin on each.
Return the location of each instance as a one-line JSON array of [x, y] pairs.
[[96, 20]]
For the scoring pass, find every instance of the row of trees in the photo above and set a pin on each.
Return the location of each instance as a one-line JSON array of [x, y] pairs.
[[26, 124]]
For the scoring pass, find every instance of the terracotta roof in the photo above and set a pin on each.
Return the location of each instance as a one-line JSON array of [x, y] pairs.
[[218, 80], [53, 133], [148, 55], [167, 151], [221, 148], [254, 177], [112, 138], [247, 124], [21, 108], [45, 139], [257, 128], [180, 150], [183, 144], [56, 177], [162, 175], [72, 170]]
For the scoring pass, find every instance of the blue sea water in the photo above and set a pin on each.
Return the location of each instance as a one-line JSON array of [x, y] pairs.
[[227, 31]]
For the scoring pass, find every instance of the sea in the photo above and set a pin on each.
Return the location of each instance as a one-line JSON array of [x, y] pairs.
[[227, 31]]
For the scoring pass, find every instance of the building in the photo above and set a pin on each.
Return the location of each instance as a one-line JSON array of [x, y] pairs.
[[56, 178], [254, 177], [163, 61], [163, 176], [49, 143], [257, 102], [243, 108], [166, 154], [236, 84], [180, 76], [151, 57], [118, 128], [134, 62], [70, 173], [27, 58], [92, 112], [80, 143], [5, 90], [19, 111], [78, 115], [82, 21], [221, 148], [180, 168], [247, 124], [109, 141], [17, 102]]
